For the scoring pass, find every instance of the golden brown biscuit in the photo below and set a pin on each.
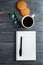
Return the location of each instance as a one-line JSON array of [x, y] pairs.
[[21, 5], [25, 12]]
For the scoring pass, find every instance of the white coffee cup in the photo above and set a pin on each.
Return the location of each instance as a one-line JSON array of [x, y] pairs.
[[28, 21]]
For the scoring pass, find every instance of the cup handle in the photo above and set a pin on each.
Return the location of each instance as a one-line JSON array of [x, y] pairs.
[[33, 15]]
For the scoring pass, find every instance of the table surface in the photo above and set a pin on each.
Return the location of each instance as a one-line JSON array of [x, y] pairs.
[[8, 32]]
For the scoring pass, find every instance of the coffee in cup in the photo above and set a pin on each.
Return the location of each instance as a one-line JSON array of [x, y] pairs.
[[27, 21]]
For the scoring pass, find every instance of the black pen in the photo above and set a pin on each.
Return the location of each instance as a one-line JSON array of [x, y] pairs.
[[20, 50]]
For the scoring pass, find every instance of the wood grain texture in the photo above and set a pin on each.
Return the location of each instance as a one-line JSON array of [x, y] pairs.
[[38, 26], [8, 34]]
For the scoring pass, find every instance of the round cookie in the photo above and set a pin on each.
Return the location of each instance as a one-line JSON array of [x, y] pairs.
[[21, 5], [25, 12]]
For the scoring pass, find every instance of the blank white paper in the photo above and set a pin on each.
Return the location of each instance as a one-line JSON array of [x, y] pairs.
[[28, 45]]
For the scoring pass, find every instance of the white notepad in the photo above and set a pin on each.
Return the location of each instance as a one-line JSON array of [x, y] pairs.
[[28, 45]]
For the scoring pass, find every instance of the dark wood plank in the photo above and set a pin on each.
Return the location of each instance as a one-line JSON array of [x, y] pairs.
[[38, 26], [8, 53], [10, 36], [7, 37]]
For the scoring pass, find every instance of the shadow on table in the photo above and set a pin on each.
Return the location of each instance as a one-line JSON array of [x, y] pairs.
[[14, 46]]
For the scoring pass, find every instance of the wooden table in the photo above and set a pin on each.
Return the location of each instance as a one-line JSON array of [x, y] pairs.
[[8, 34]]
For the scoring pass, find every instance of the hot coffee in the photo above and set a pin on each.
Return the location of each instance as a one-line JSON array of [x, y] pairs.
[[28, 21]]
